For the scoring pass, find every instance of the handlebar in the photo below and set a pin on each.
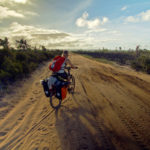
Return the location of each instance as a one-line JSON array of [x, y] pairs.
[[69, 68]]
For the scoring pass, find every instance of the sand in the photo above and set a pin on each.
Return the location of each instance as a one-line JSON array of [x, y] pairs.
[[109, 110]]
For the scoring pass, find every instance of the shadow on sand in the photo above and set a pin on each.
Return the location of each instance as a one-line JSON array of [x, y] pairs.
[[78, 130]]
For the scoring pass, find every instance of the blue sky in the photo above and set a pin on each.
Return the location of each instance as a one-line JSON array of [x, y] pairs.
[[77, 24]]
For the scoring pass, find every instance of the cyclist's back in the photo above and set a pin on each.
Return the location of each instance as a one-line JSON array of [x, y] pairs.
[[66, 62], [61, 73]]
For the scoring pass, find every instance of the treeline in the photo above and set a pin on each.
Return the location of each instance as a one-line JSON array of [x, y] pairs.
[[139, 59], [15, 64]]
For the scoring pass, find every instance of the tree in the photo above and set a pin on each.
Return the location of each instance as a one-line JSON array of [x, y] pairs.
[[22, 44], [35, 48], [4, 43], [43, 48], [137, 50]]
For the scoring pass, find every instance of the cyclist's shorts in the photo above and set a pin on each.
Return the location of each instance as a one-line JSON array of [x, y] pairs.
[[63, 75]]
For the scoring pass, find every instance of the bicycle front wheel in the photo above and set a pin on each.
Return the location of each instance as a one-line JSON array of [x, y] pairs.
[[55, 102]]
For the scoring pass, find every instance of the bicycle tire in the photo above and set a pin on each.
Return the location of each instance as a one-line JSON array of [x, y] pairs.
[[52, 104]]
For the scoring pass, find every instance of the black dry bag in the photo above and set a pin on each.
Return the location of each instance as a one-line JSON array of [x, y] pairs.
[[45, 87]]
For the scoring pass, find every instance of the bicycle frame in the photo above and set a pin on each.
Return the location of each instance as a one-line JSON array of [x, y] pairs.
[[66, 83]]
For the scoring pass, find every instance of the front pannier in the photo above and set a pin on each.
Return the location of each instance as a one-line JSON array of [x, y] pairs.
[[45, 87]]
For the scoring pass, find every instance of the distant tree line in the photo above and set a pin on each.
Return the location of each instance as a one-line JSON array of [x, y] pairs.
[[138, 59], [21, 44]]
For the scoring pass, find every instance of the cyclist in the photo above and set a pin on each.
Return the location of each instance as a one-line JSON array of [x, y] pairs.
[[67, 61], [61, 74]]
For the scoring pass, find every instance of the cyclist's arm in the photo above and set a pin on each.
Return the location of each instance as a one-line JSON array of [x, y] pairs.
[[69, 63]]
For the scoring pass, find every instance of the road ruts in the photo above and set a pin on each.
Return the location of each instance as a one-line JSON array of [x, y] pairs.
[[134, 129]]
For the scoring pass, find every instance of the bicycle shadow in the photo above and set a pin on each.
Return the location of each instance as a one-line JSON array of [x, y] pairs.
[[77, 93], [80, 127], [77, 129]]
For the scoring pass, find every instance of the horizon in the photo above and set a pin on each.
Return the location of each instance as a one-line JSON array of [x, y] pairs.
[[85, 24]]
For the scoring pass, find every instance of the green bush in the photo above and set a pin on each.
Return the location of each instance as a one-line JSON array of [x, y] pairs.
[[4, 76], [140, 62], [15, 64], [21, 57], [147, 64]]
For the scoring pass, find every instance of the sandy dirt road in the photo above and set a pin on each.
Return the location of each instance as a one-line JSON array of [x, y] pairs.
[[109, 110]]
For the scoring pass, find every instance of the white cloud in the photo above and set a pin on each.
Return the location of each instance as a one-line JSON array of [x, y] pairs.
[[145, 16], [91, 39], [38, 36], [124, 8], [91, 24], [20, 1], [96, 30], [141, 17], [29, 13], [11, 2], [85, 15], [54, 38], [81, 22], [132, 19], [105, 20], [6, 13]]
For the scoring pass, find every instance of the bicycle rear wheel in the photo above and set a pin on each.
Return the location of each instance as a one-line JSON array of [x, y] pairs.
[[71, 85], [55, 102]]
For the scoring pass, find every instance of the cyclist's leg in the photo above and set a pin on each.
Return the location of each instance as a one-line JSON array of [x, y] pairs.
[[61, 78], [63, 75], [58, 89]]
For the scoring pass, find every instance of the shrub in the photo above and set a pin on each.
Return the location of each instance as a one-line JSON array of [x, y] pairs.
[[140, 62], [15, 64]]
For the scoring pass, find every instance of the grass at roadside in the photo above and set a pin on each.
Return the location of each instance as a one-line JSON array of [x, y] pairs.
[[102, 60], [138, 60]]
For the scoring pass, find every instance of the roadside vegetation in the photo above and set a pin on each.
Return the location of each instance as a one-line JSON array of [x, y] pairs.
[[137, 59], [20, 62]]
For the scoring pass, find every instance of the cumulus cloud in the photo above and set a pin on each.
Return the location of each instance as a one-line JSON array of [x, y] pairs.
[[96, 30], [124, 8], [35, 32], [145, 16], [39, 36], [50, 35], [12, 2], [141, 17], [104, 20], [6, 13], [19, 1], [55, 39], [91, 24], [132, 19], [29, 13]]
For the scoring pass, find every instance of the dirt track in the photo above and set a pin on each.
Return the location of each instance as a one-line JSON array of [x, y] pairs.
[[109, 110]]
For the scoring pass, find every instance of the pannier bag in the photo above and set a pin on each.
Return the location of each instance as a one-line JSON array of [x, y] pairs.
[[56, 63], [63, 92], [45, 87]]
